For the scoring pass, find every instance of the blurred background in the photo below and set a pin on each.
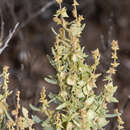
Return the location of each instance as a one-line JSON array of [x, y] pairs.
[[26, 52]]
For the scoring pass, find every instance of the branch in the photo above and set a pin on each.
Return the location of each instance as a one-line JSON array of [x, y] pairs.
[[2, 27], [11, 33], [43, 9]]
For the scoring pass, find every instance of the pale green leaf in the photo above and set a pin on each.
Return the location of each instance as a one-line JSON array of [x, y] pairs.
[[34, 108], [111, 99], [50, 80], [53, 51], [112, 115], [51, 61], [83, 26], [102, 122], [64, 13], [36, 119], [63, 105], [25, 112], [90, 100], [1, 96], [54, 31], [76, 123], [49, 128], [91, 115]]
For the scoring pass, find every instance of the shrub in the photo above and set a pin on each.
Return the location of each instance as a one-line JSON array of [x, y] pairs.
[[78, 106]]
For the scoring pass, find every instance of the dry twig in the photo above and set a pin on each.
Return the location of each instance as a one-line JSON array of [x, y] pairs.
[[11, 33]]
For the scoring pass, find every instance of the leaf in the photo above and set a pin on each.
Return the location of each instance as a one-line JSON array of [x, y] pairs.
[[61, 106], [91, 115], [53, 51], [111, 99], [64, 13], [74, 58], [53, 98], [54, 31], [36, 119], [25, 112], [76, 123], [49, 128], [63, 93], [51, 95], [83, 26], [90, 100], [112, 115], [3, 123], [71, 80], [51, 80], [51, 61], [34, 108], [69, 126], [1, 96], [79, 93], [61, 12], [76, 30], [102, 122], [65, 43], [8, 116]]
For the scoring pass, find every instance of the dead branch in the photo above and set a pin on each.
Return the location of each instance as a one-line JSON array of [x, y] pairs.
[[11, 33], [43, 9]]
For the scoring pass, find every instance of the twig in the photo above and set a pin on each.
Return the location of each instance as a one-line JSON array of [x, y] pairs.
[[11, 33], [43, 9], [2, 26], [13, 14]]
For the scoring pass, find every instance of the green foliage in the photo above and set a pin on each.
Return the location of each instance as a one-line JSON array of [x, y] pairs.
[[78, 107]]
